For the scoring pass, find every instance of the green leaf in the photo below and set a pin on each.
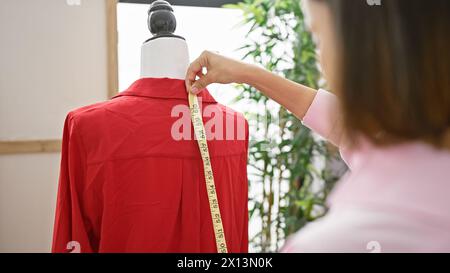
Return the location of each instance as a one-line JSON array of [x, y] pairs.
[[291, 161]]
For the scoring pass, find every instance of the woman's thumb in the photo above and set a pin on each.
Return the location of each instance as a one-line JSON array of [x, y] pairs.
[[200, 84]]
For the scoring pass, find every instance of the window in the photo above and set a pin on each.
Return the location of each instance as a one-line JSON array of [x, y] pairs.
[[203, 28]]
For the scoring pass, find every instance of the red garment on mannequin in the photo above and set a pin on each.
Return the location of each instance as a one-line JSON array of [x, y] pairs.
[[126, 185]]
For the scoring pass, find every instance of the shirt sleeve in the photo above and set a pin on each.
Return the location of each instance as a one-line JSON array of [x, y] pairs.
[[323, 117], [72, 231], [244, 242]]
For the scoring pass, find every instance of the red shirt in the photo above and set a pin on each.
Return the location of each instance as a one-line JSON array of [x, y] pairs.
[[128, 185]]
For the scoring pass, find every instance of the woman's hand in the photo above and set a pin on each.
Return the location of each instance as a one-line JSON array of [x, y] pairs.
[[293, 96], [219, 69]]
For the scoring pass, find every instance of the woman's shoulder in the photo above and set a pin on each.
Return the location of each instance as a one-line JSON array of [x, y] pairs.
[[364, 230]]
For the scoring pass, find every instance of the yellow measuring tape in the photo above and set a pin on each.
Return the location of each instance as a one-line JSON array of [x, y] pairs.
[[200, 134]]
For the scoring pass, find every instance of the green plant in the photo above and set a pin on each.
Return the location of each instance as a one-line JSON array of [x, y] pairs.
[[284, 155]]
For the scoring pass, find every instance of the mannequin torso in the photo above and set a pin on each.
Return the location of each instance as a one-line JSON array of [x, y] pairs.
[[164, 57]]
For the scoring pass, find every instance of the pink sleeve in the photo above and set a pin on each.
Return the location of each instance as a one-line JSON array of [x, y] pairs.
[[324, 118], [323, 115]]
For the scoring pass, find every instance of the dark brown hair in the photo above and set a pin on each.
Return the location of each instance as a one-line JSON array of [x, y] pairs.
[[394, 68]]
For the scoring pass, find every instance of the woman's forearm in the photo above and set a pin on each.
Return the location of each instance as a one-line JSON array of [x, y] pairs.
[[294, 97]]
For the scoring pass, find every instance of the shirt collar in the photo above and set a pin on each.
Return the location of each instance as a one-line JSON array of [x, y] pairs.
[[163, 88]]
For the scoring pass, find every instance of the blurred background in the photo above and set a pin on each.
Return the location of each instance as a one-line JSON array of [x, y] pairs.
[[57, 55]]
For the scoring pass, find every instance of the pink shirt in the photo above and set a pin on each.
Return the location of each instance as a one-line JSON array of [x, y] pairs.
[[393, 199]]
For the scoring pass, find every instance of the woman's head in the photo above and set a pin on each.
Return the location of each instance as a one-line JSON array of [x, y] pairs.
[[389, 64]]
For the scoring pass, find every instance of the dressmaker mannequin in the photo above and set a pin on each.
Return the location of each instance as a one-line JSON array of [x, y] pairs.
[[165, 55]]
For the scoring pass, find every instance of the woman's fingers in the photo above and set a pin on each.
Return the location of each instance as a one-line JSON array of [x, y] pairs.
[[201, 83], [194, 70]]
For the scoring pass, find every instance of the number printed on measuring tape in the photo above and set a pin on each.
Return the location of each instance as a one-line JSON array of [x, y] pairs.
[[200, 134]]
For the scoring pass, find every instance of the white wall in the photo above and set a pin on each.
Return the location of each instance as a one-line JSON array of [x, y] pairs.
[[53, 59], [27, 201]]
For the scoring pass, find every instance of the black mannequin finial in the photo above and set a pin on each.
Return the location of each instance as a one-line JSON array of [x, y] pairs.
[[161, 20]]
